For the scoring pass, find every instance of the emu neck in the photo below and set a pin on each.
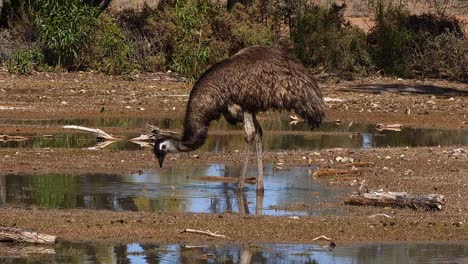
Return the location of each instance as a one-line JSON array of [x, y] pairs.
[[194, 134]]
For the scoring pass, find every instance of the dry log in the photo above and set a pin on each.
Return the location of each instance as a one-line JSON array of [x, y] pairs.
[[99, 133], [12, 234], [398, 199], [251, 180], [206, 233]]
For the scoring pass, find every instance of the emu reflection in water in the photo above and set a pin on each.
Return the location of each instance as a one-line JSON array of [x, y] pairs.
[[177, 189]]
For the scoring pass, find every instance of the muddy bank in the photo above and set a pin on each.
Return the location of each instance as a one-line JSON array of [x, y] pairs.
[[414, 170], [371, 100], [419, 170], [163, 227]]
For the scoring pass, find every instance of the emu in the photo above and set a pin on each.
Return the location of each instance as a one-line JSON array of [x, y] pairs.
[[255, 79]]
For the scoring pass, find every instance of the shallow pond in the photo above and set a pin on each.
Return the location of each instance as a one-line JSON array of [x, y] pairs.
[[233, 253], [176, 189], [278, 135]]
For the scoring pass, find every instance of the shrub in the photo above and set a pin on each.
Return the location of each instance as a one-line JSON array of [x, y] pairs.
[[409, 45], [195, 47], [323, 39], [390, 39], [444, 55], [66, 29], [113, 50], [24, 60], [239, 29]]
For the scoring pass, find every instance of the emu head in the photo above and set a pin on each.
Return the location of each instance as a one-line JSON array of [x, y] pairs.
[[164, 142], [162, 146]]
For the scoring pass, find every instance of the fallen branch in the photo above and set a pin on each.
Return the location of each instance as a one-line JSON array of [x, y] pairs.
[[99, 133], [13, 235], [142, 140], [206, 233], [398, 199]]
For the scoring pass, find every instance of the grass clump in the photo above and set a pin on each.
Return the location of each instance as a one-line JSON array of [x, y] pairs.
[[24, 60]]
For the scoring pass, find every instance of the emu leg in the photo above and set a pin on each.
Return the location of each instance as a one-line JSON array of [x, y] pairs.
[[259, 147], [240, 187], [249, 130], [259, 203]]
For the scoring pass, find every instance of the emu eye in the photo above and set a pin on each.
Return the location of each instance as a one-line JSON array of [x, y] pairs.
[[163, 146]]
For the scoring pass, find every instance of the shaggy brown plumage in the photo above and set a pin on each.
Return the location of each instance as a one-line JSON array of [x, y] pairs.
[[255, 79]]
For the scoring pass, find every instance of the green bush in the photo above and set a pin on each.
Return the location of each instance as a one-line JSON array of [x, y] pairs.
[[322, 39], [390, 39], [445, 55], [24, 60], [66, 29], [195, 47], [113, 50], [239, 29], [417, 45]]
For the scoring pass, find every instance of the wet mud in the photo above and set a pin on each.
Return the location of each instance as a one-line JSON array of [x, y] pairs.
[[52, 183]]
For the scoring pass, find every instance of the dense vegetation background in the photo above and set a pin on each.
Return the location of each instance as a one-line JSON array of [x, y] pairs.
[[187, 36]]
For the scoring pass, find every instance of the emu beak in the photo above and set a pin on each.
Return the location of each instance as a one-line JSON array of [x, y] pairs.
[[161, 159]]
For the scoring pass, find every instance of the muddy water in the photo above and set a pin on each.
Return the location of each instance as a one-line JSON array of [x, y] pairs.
[[232, 253], [172, 190], [297, 136]]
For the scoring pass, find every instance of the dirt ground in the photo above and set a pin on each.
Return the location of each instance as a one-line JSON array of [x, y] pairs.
[[424, 170]]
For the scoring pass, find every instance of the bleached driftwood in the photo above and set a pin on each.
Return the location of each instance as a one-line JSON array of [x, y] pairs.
[[12, 234], [143, 140], [393, 127], [99, 133], [322, 238], [398, 199], [206, 233]]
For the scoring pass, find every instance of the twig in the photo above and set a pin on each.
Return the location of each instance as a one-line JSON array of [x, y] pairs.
[[383, 215], [207, 233], [322, 238]]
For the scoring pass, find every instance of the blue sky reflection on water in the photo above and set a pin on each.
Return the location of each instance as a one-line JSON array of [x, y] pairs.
[[222, 252]]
